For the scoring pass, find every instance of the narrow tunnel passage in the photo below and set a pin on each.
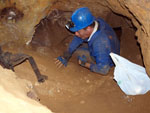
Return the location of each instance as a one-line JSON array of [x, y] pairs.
[[74, 88], [51, 33]]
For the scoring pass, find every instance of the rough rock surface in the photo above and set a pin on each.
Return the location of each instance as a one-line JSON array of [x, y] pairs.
[[138, 12], [18, 29], [35, 10], [13, 96]]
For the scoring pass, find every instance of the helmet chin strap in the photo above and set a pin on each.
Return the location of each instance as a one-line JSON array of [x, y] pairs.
[[95, 29]]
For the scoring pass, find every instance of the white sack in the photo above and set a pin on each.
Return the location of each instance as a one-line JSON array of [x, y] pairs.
[[131, 78]]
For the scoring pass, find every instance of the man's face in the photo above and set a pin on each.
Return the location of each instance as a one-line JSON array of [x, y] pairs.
[[83, 33]]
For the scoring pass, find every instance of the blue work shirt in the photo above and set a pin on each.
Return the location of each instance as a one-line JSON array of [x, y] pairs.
[[103, 41]]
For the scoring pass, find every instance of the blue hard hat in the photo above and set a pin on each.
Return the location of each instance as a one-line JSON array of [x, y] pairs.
[[80, 19]]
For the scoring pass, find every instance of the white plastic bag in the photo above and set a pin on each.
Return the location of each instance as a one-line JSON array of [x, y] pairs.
[[131, 78]]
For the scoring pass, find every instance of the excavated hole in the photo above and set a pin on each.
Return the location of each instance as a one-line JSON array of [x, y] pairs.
[[75, 89], [51, 33]]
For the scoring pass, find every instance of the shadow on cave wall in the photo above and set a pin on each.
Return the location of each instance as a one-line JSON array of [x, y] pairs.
[[51, 33]]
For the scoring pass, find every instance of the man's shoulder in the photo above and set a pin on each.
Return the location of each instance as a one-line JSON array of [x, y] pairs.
[[100, 20]]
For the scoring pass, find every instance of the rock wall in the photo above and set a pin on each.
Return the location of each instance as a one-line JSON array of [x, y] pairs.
[[23, 28], [138, 12], [13, 96], [35, 10]]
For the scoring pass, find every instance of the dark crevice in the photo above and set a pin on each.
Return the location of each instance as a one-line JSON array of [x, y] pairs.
[[118, 31]]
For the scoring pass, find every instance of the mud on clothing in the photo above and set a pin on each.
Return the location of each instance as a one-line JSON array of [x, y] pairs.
[[102, 42]]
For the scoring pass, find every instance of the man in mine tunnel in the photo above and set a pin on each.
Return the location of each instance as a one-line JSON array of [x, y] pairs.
[[93, 41]]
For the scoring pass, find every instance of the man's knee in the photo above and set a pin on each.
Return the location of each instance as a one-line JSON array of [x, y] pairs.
[[104, 70]]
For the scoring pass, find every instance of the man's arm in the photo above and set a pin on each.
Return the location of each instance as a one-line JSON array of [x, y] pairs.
[[101, 50], [63, 59]]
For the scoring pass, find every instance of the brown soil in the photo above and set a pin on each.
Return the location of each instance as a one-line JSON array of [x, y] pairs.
[[77, 90], [74, 89]]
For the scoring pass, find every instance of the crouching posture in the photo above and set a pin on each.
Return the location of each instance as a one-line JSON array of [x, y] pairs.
[[100, 38]]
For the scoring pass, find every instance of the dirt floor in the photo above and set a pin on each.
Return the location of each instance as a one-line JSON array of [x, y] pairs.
[[74, 89], [77, 90]]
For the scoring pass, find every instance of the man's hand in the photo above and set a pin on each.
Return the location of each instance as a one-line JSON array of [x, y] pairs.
[[60, 61], [82, 60]]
